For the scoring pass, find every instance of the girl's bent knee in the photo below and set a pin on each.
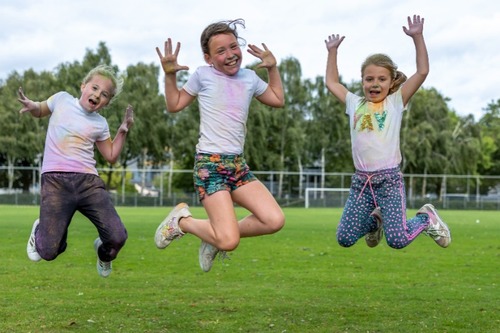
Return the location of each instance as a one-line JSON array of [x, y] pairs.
[[275, 223], [228, 244], [48, 255], [345, 244], [396, 245]]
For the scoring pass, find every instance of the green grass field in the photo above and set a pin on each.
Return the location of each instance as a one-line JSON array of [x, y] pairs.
[[298, 280]]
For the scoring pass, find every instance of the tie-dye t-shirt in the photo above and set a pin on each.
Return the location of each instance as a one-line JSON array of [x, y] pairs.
[[224, 101], [375, 131], [72, 132]]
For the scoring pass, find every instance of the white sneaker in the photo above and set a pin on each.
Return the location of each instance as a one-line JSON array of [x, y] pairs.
[[437, 229], [373, 238], [31, 247], [207, 255], [169, 229], [103, 267]]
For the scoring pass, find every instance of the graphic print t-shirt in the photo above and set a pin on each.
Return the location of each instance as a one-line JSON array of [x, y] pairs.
[[375, 131]]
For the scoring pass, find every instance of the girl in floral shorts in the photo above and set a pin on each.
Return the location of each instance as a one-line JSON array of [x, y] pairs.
[[221, 176]]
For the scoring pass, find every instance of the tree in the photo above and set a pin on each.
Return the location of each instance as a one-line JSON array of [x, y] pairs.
[[21, 135], [437, 141], [490, 143], [286, 133], [327, 130]]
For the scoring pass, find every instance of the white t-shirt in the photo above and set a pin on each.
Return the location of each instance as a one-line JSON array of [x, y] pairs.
[[71, 135], [224, 101], [375, 131]]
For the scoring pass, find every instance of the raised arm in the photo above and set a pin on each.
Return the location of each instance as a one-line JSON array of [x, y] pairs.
[[332, 73], [111, 150], [175, 99], [415, 31], [37, 109], [274, 95]]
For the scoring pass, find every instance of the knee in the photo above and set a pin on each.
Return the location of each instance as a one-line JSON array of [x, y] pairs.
[[395, 244], [228, 244], [117, 241], [114, 236], [345, 241], [49, 253], [276, 222]]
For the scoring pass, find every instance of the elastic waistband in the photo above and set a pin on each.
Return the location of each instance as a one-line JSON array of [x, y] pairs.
[[379, 172], [65, 173], [220, 156]]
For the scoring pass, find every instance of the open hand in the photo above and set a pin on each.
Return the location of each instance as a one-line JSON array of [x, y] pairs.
[[128, 121], [268, 59], [169, 59], [333, 41], [28, 104], [415, 27]]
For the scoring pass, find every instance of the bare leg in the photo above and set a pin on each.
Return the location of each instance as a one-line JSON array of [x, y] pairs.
[[222, 229], [267, 216]]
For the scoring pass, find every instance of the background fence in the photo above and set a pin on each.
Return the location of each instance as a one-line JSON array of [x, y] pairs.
[[155, 187]]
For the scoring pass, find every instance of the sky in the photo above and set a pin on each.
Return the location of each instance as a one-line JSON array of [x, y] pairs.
[[462, 37]]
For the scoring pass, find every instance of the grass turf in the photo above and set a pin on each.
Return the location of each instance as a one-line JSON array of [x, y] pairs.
[[298, 280]]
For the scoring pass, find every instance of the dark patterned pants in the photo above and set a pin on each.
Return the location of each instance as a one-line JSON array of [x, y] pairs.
[[64, 193]]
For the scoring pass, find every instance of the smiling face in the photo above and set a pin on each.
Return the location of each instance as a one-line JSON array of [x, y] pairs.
[[376, 83], [224, 53], [96, 93]]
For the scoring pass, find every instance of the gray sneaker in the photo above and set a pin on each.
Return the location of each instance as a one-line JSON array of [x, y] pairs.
[[207, 255], [437, 229], [169, 229], [31, 247], [103, 267], [373, 238]]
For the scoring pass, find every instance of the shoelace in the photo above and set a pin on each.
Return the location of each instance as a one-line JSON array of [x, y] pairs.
[[172, 230], [433, 232], [223, 256]]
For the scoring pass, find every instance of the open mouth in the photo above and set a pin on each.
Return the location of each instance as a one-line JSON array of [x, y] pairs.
[[232, 61], [92, 102]]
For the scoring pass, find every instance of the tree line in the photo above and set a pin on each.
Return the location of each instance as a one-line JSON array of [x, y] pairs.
[[310, 131]]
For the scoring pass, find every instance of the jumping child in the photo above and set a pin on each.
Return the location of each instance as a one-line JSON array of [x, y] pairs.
[[69, 180], [221, 174], [377, 199]]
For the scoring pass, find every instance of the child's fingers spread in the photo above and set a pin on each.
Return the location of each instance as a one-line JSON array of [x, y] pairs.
[[159, 52]]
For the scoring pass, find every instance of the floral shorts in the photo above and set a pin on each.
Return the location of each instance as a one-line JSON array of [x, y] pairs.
[[215, 172]]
